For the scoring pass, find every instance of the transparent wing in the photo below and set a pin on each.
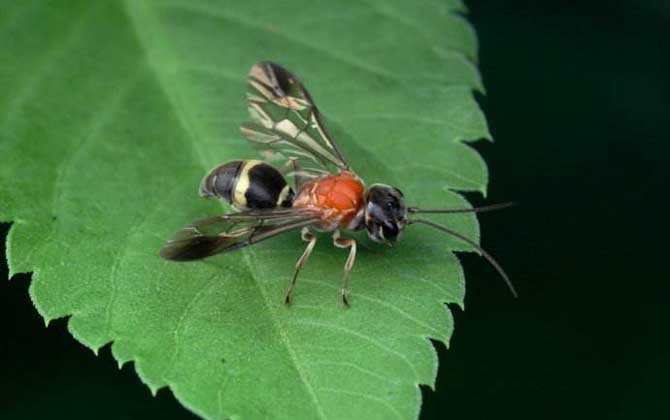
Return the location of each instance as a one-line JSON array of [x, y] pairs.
[[287, 122], [214, 235]]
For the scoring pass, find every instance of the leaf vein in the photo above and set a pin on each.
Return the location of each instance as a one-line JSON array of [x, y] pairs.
[[381, 401], [410, 166], [379, 302], [191, 131], [363, 337], [29, 88], [328, 52], [353, 366], [286, 340], [186, 312]]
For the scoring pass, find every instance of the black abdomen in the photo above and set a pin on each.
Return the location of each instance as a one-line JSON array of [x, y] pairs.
[[248, 184]]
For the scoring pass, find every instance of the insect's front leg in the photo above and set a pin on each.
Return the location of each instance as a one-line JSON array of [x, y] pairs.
[[293, 166], [306, 236], [351, 244]]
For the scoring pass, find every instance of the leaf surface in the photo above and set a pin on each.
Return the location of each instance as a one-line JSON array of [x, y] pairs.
[[113, 111]]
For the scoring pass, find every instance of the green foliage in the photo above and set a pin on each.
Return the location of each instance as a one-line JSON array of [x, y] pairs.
[[111, 113]]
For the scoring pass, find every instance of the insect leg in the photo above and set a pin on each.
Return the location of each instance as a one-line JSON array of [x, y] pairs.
[[306, 236], [297, 176], [351, 244], [286, 168]]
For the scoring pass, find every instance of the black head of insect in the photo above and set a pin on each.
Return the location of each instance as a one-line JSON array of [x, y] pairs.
[[385, 213]]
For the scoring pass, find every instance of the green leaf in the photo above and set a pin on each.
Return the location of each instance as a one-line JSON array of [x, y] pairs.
[[113, 111]]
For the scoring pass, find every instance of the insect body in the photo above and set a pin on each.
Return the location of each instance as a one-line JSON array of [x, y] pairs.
[[328, 195]]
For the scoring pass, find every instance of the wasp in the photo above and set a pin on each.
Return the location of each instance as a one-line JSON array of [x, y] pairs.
[[327, 195]]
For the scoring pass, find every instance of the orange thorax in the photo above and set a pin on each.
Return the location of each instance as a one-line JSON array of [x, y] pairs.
[[339, 196]]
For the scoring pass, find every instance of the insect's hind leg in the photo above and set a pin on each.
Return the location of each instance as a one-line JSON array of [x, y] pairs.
[[306, 236], [351, 244], [293, 166]]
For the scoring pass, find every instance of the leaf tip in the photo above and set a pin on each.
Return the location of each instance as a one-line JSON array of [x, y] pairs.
[[153, 389]]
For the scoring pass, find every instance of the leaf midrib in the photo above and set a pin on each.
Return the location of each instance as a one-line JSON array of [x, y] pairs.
[[191, 131]]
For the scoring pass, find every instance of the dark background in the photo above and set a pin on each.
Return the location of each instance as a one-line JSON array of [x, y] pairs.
[[577, 97]]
